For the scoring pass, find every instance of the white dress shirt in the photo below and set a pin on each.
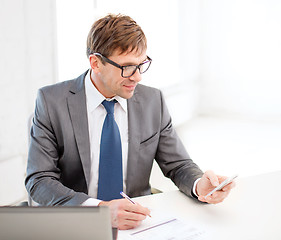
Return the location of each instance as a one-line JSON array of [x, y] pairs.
[[96, 115]]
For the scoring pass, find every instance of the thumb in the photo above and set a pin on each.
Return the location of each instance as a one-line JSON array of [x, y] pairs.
[[213, 178]]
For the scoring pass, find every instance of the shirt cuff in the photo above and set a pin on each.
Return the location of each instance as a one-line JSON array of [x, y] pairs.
[[91, 202], [194, 187]]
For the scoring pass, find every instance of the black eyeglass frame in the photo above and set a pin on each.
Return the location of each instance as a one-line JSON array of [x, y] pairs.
[[122, 67]]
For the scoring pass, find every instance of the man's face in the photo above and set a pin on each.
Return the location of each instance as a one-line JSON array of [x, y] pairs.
[[108, 79]]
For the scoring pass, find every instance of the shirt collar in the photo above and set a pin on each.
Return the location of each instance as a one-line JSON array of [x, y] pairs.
[[95, 98]]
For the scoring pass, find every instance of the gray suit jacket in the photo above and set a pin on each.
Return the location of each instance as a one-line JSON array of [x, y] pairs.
[[58, 169]]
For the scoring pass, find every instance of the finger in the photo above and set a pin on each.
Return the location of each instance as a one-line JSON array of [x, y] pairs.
[[214, 198], [134, 216], [203, 199], [145, 211], [128, 220], [133, 211], [212, 177], [137, 208], [124, 214], [127, 224], [229, 186], [217, 197]]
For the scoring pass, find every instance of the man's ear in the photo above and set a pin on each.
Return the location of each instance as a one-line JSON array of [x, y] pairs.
[[95, 63]]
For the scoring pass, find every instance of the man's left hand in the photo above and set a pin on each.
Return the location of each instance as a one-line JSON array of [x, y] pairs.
[[207, 183]]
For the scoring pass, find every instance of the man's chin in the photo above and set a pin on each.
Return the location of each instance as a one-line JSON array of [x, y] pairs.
[[127, 94]]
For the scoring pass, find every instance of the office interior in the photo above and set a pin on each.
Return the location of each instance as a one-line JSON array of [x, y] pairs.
[[216, 61]]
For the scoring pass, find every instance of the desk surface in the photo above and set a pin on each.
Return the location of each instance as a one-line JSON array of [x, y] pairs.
[[251, 211]]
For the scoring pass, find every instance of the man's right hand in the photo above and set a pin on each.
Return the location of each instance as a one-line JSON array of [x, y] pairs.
[[124, 214]]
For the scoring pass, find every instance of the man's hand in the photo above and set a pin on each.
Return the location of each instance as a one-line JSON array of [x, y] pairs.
[[124, 214], [207, 183]]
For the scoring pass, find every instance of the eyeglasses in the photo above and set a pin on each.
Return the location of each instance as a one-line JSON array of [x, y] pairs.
[[128, 71]]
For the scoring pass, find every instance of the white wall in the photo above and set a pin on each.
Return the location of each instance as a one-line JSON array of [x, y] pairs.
[[73, 25], [237, 121], [27, 62], [240, 58]]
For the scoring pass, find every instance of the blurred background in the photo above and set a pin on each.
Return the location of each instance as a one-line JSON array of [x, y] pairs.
[[216, 61]]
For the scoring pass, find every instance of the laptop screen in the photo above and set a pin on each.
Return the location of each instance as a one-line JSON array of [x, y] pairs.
[[45, 223]]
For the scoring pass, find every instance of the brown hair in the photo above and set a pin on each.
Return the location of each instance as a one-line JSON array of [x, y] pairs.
[[115, 32]]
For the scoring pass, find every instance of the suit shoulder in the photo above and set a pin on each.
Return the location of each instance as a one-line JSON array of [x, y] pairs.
[[57, 87], [148, 92], [63, 88]]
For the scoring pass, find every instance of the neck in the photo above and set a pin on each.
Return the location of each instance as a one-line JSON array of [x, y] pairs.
[[94, 79]]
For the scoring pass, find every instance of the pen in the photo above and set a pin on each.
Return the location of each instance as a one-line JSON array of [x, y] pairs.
[[128, 198]]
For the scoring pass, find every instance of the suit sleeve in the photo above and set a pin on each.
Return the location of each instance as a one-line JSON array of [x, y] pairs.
[[172, 157], [43, 174]]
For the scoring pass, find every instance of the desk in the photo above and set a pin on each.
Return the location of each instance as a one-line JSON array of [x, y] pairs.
[[251, 211]]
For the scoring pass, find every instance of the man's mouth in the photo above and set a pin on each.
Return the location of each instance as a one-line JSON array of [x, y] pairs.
[[130, 87]]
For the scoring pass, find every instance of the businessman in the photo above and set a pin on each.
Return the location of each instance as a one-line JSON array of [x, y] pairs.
[[98, 135]]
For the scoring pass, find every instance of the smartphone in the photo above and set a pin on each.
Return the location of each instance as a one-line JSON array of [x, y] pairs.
[[224, 183]]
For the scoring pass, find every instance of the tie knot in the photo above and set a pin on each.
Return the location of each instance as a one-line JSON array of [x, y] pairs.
[[109, 106]]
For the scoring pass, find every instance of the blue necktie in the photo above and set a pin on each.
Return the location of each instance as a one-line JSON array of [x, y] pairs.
[[110, 182]]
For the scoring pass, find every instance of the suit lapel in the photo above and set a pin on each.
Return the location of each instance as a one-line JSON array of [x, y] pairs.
[[134, 110], [79, 117]]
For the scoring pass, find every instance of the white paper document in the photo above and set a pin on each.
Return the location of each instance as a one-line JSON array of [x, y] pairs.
[[160, 227]]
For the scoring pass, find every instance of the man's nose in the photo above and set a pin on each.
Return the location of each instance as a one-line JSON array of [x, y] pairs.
[[136, 76]]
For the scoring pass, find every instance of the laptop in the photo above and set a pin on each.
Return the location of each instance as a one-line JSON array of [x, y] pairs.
[[52, 223]]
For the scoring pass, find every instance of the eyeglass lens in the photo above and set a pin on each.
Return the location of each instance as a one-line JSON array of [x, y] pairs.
[[130, 70]]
